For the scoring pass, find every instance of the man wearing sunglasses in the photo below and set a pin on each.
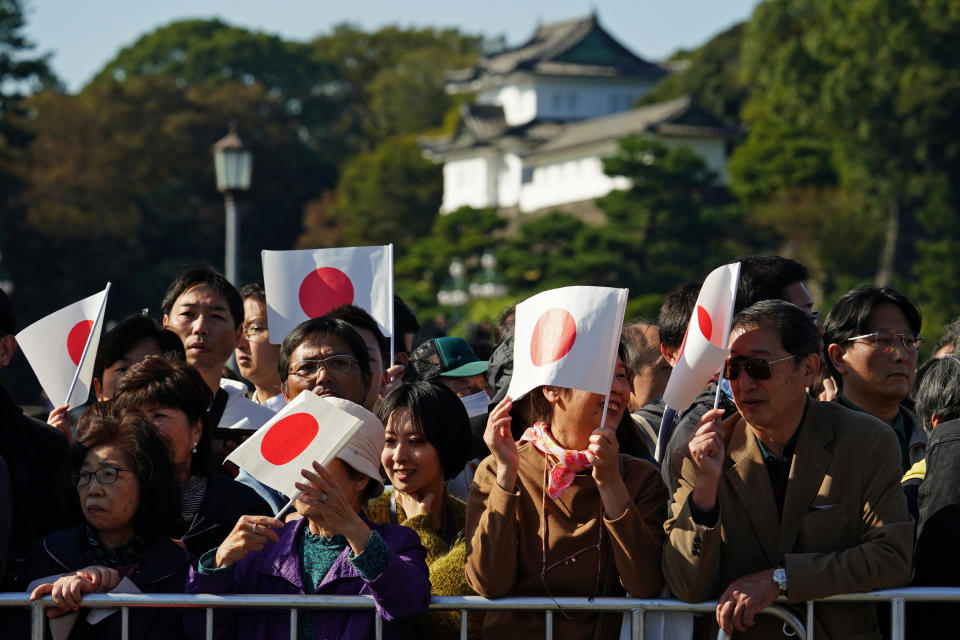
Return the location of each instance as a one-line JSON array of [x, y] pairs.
[[791, 497], [872, 338]]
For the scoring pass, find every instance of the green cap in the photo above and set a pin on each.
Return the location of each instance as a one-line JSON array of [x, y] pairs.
[[457, 359]]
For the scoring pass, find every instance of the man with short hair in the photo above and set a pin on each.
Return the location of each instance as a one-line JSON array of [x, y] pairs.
[[327, 357], [451, 362], [206, 311], [37, 470], [792, 497], [378, 348], [872, 338], [649, 371]]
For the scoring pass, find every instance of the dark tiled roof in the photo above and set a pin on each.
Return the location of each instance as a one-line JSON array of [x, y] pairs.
[[678, 117], [483, 125], [576, 47]]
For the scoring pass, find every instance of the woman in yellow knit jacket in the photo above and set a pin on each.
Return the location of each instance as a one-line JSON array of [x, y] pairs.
[[427, 443]]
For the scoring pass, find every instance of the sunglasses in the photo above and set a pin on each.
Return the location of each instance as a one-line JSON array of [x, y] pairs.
[[756, 368]]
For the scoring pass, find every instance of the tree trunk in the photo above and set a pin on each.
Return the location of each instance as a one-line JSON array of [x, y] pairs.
[[889, 252]]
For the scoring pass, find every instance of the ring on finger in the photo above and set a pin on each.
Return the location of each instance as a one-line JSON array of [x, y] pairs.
[[255, 527], [323, 497]]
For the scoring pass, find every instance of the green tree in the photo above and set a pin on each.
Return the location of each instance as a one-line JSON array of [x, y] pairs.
[[390, 194], [710, 75], [122, 188]]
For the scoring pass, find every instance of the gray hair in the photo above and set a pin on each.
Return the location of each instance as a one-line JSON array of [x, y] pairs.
[[937, 391]]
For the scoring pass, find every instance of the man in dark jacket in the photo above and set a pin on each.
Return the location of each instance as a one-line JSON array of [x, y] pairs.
[[37, 464]]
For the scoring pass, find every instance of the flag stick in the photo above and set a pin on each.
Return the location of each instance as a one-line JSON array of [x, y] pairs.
[[290, 503], [393, 323], [86, 347]]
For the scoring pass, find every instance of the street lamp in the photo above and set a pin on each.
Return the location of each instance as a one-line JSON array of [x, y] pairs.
[[233, 163]]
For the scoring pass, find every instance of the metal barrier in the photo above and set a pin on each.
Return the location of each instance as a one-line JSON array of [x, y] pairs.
[[637, 608]]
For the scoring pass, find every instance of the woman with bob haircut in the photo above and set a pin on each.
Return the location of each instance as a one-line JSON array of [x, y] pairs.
[[563, 514], [128, 499], [427, 442], [174, 398]]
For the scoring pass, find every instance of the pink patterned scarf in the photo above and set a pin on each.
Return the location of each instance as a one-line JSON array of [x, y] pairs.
[[569, 461]]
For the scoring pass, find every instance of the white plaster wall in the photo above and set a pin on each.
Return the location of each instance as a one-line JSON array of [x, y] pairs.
[[509, 177], [572, 178], [568, 99], [468, 182], [518, 99]]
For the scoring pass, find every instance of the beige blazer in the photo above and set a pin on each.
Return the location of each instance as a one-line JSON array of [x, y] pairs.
[[845, 524]]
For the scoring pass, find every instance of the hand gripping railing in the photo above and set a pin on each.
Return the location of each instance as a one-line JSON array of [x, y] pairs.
[[636, 608]]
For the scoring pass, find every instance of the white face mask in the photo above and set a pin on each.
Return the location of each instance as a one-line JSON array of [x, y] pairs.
[[476, 403]]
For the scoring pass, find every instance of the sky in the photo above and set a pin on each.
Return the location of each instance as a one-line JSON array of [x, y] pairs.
[[84, 36]]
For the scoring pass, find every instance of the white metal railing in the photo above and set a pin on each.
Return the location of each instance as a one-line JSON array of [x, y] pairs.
[[636, 608]]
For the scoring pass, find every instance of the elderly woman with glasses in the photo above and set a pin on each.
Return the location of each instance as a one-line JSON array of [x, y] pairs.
[[563, 514], [128, 499], [333, 549]]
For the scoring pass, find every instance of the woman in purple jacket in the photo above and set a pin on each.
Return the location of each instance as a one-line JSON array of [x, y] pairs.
[[332, 550]]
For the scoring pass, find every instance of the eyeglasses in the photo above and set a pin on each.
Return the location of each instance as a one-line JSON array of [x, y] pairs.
[[756, 368], [306, 369], [886, 339], [815, 316], [104, 475], [254, 332]]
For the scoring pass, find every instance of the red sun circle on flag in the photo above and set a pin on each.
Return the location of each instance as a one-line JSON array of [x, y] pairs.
[[324, 289], [553, 336], [77, 340], [705, 322], [288, 438]]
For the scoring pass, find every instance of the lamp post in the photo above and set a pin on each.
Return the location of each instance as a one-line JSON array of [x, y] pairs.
[[233, 163]]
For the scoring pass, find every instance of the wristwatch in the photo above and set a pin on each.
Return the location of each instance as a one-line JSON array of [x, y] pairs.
[[780, 577]]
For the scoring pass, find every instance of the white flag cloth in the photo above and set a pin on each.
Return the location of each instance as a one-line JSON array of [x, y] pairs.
[[705, 343], [305, 284], [61, 349], [567, 337], [309, 428]]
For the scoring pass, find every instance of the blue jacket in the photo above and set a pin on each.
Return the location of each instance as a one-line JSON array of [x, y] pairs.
[[401, 591]]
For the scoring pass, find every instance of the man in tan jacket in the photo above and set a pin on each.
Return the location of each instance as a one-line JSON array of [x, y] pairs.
[[789, 497]]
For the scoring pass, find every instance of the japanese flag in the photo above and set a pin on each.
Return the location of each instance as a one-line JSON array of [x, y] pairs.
[[62, 347], [305, 284], [704, 345], [309, 428], [567, 337]]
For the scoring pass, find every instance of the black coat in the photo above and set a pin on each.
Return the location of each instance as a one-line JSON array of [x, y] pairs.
[[163, 571], [223, 504], [37, 457]]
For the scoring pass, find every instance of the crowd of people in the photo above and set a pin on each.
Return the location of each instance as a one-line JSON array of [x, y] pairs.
[[819, 461]]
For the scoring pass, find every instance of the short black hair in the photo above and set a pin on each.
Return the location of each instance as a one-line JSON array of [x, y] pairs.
[[439, 415], [766, 278], [850, 316], [357, 317], [950, 336], [311, 331], [206, 275], [937, 391], [169, 382], [148, 457], [8, 319], [798, 336], [639, 349], [404, 322], [126, 334], [254, 290], [675, 313]]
